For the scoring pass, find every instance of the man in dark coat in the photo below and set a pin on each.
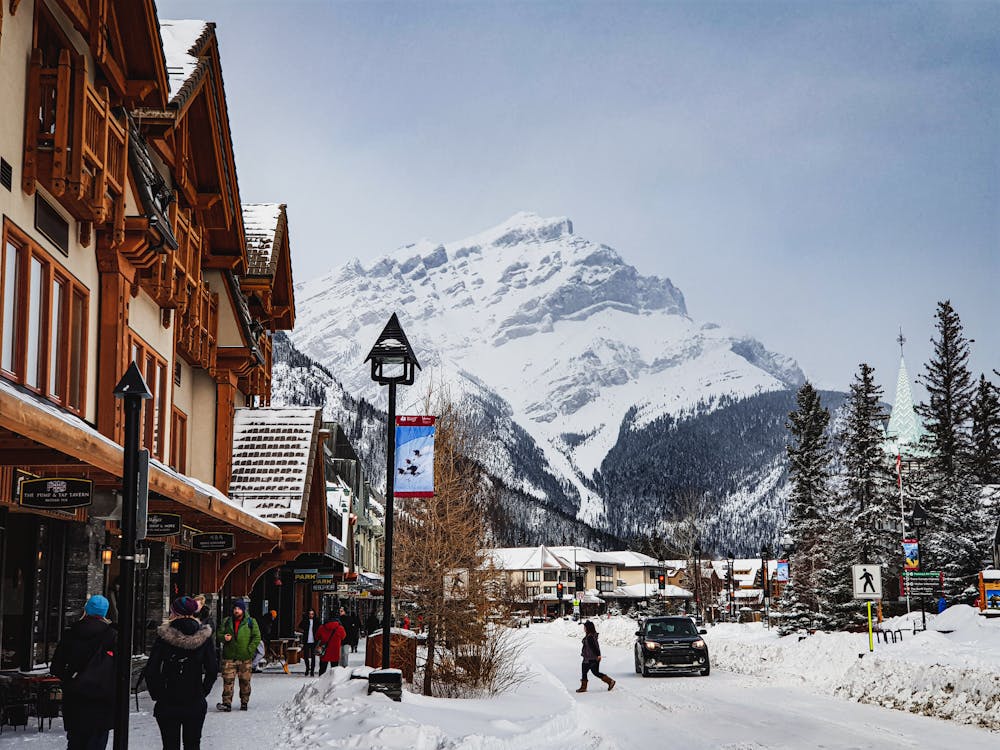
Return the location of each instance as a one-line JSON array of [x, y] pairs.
[[88, 715], [352, 626], [180, 672]]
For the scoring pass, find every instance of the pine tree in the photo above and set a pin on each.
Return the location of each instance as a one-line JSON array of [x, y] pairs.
[[809, 456], [869, 486], [986, 433], [954, 540]]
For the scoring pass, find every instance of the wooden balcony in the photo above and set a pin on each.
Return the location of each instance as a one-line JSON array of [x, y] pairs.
[[74, 145], [198, 328], [257, 382]]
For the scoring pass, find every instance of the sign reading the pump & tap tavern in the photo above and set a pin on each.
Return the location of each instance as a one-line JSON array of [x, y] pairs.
[[163, 524], [55, 493], [213, 541]]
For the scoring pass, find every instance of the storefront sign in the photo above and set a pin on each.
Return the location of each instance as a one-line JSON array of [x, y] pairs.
[[213, 541], [304, 575], [163, 524], [336, 550], [325, 587], [414, 475], [55, 494]]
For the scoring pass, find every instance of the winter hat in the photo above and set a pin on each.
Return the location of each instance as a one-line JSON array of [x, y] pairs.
[[184, 606], [242, 604], [96, 606]]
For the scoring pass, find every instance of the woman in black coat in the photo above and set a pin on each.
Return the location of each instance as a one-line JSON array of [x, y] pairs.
[[181, 670], [88, 714]]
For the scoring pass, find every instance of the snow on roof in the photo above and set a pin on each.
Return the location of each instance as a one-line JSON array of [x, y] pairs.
[[629, 559], [273, 455], [527, 558], [260, 223], [181, 39], [582, 555], [647, 591]]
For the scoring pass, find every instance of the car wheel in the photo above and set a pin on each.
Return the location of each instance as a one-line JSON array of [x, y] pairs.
[[638, 669], [707, 670], [645, 670]]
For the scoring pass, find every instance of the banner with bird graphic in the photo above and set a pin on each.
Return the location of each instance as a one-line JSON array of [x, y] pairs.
[[414, 475]]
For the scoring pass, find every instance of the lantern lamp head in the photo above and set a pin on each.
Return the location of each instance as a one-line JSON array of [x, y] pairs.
[[392, 357], [106, 555]]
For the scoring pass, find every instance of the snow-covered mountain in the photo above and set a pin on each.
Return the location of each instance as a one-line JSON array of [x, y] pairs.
[[552, 338]]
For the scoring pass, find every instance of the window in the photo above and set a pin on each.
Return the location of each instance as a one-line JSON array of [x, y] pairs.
[[551, 575], [43, 322], [154, 370], [604, 571], [531, 575], [605, 586], [178, 440], [532, 590], [549, 589]]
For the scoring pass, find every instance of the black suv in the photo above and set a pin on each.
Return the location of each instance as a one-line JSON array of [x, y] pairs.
[[670, 644]]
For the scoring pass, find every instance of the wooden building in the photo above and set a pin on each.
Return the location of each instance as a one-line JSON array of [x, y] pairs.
[[124, 239]]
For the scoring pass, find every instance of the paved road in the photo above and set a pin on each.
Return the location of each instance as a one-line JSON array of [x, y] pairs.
[[733, 712]]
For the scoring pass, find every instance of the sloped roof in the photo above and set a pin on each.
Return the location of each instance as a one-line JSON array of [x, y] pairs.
[[905, 431], [582, 555], [274, 452], [262, 226], [648, 590], [182, 40], [528, 558]]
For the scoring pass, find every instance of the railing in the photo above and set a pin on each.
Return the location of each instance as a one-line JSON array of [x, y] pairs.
[[197, 328]]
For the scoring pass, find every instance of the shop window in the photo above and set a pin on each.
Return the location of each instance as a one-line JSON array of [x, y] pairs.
[[154, 370], [43, 322], [178, 440]]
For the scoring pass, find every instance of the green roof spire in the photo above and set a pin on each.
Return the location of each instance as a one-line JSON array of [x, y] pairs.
[[905, 431]]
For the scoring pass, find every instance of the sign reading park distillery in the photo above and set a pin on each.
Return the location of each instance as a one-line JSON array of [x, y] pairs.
[[163, 524], [55, 494], [213, 541]]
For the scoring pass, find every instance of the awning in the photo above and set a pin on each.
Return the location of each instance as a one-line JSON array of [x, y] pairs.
[[62, 433]]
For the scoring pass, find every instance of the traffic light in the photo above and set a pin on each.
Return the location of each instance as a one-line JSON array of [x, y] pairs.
[[559, 590], [661, 581]]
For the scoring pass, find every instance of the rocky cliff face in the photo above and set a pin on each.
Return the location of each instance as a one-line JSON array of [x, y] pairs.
[[553, 339]]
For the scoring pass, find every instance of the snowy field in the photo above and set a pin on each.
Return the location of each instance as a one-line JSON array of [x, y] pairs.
[[763, 694]]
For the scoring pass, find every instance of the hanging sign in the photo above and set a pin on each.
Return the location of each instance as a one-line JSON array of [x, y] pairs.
[[213, 541], [163, 524], [55, 493], [867, 580], [305, 574], [911, 555], [414, 472], [781, 574]]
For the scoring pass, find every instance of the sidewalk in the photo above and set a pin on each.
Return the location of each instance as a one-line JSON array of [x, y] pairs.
[[271, 691]]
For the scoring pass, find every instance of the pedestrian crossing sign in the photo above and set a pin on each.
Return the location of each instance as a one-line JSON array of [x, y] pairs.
[[867, 580]]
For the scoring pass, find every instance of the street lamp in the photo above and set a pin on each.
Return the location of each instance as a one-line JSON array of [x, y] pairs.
[[393, 363], [765, 580], [732, 587], [917, 519]]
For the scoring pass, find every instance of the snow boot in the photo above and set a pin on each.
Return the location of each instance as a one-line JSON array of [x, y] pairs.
[[609, 682], [243, 706], [583, 687], [223, 707]]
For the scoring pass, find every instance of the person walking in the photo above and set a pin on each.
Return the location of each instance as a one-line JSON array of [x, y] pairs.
[[591, 653], [308, 627], [371, 624], [239, 635], [84, 661], [352, 628], [180, 673], [266, 625], [330, 636]]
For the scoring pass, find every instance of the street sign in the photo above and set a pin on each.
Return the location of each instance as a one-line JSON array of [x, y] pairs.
[[163, 524], [213, 541], [867, 580], [55, 494], [923, 584]]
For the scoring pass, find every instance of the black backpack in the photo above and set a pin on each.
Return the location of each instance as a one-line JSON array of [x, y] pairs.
[[97, 678], [181, 674]]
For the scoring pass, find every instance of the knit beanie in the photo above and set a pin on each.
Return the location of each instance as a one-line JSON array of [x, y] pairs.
[[184, 606], [242, 604], [96, 606]]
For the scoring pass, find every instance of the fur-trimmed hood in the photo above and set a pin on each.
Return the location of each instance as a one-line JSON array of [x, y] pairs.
[[172, 634]]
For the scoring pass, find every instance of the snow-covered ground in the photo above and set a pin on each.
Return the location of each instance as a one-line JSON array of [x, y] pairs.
[[781, 695]]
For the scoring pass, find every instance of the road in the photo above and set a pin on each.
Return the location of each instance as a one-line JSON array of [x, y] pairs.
[[732, 712]]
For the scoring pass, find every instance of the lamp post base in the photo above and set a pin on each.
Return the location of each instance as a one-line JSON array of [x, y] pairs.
[[386, 681]]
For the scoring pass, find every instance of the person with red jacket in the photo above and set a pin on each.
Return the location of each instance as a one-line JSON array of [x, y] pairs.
[[330, 635]]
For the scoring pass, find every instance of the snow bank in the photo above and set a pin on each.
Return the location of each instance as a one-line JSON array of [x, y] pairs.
[[336, 712], [952, 674]]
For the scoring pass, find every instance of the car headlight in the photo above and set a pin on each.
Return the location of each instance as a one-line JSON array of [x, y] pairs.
[[698, 644], [651, 645]]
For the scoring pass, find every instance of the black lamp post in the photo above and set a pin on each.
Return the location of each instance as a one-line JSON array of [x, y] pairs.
[[917, 519], [732, 587], [765, 581], [393, 363], [697, 580]]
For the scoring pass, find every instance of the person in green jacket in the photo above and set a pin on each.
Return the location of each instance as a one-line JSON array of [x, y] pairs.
[[239, 636]]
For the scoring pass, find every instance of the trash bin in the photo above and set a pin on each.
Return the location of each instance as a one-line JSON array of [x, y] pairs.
[[293, 654], [402, 651]]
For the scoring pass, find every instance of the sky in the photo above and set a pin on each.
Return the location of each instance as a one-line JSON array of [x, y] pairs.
[[818, 175]]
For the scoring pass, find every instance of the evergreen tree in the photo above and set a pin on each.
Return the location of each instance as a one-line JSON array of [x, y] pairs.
[[954, 540], [986, 433], [869, 486], [809, 456], [837, 553]]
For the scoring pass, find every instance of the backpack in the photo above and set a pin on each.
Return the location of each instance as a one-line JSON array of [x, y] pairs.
[[180, 672], [97, 678]]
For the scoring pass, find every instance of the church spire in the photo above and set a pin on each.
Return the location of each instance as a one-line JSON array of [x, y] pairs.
[[905, 431]]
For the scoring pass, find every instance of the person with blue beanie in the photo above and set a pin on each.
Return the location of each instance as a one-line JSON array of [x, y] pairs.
[[84, 662]]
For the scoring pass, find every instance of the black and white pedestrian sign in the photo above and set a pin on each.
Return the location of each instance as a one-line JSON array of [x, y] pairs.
[[867, 581]]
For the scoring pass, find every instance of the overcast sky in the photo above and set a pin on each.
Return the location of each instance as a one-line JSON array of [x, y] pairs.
[[814, 174]]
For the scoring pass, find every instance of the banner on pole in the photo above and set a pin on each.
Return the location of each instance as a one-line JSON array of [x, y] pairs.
[[781, 574], [911, 555], [414, 457]]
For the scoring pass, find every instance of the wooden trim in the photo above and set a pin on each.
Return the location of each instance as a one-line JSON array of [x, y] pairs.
[[50, 430], [178, 439]]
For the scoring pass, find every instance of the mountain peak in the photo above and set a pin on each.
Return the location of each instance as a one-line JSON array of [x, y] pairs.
[[524, 226]]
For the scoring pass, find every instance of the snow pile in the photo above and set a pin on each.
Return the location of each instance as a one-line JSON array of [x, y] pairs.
[[336, 712], [952, 671]]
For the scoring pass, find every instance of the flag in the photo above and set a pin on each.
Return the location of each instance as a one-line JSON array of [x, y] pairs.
[[414, 471]]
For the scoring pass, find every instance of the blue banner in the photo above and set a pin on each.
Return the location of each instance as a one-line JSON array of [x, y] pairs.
[[414, 473]]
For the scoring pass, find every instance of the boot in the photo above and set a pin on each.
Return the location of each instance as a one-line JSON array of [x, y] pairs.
[[223, 707], [608, 681], [583, 687]]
